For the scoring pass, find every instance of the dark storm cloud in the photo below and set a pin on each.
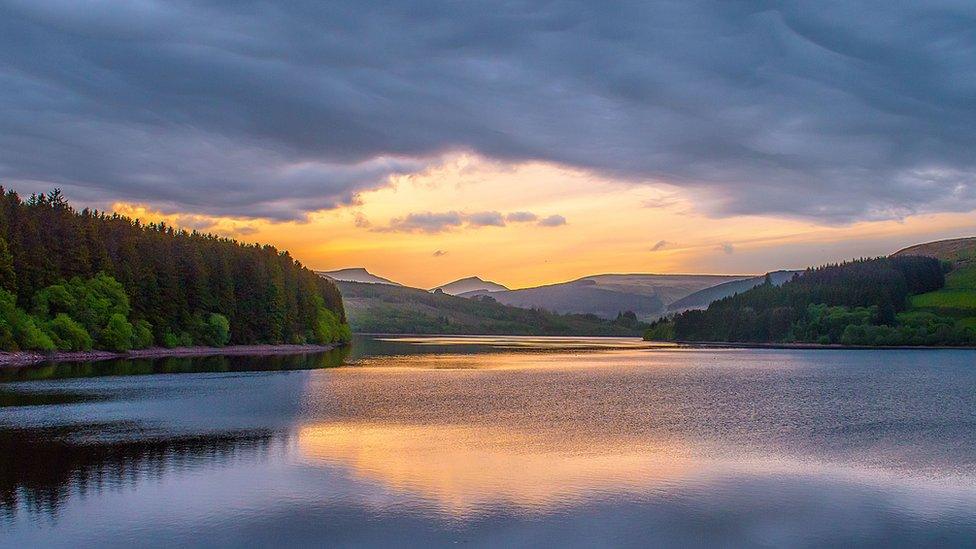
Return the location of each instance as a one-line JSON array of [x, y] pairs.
[[831, 110]]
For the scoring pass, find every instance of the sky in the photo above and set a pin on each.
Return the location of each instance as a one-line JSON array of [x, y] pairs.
[[524, 142]]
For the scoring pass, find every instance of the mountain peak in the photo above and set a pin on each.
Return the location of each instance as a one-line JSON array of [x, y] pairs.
[[469, 284], [356, 274]]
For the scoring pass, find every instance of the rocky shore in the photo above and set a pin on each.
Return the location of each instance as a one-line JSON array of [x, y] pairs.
[[26, 358]]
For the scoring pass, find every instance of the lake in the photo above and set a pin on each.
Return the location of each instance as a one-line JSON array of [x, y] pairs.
[[494, 441]]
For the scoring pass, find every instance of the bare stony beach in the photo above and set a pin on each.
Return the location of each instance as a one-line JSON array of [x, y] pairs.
[[26, 358]]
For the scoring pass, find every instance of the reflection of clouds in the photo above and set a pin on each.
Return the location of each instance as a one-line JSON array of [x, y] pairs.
[[466, 469]]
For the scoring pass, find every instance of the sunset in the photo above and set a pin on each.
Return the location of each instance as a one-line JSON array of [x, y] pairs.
[[507, 274]]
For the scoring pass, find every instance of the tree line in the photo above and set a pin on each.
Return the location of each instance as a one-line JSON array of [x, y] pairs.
[[79, 279], [861, 302]]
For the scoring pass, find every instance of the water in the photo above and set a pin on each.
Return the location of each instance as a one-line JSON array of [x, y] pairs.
[[494, 441]]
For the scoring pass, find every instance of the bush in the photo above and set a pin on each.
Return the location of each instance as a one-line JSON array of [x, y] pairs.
[[18, 330], [216, 330], [117, 334], [142, 335], [179, 339], [68, 335]]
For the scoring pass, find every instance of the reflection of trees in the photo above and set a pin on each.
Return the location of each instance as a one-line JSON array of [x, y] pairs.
[[41, 468], [177, 365]]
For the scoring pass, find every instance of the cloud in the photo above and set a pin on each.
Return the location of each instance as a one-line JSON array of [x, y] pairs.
[[521, 217], [360, 220], [439, 253], [486, 219], [726, 247], [660, 245], [554, 220], [838, 114], [431, 222], [425, 222]]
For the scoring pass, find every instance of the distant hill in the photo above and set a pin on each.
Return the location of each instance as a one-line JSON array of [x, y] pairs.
[[701, 298], [955, 250], [356, 274], [647, 295], [384, 308], [470, 284], [885, 301]]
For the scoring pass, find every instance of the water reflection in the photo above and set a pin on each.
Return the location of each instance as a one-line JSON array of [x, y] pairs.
[[450, 441], [40, 469], [466, 470], [175, 365]]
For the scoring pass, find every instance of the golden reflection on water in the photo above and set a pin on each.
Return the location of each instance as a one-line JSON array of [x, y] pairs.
[[464, 469]]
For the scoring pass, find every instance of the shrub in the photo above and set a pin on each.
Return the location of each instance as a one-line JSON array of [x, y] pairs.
[[117, 334], [216, 330], [179, 339], [142, 335], [68, 335], [18, 330]]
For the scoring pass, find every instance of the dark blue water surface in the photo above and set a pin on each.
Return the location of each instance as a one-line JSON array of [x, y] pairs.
[[494, 442]]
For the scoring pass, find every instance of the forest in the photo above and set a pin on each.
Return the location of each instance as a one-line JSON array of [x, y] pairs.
[[861, 302], [76, 280]]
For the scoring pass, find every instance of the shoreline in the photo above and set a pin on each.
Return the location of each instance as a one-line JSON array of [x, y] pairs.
[[811, 346], [30, 358]]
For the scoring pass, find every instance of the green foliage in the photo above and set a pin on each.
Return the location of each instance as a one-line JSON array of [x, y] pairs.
[[328, 328], [957, 300], [216, 330], [92, 266], [67, 334], [142, 335], [117, 334], [8, 277], [858, 303], [90, 302], [18, 330], [177, 339], [661, 330]]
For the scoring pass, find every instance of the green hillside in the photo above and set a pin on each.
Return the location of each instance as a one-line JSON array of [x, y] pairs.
[[901, 300], [957, 299], [383, 308]]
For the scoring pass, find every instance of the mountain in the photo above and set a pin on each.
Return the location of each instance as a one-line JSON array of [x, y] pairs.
[[356, 274], [701, 298], [956, 250], [606, 295], [468, 285], [383, 308]]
